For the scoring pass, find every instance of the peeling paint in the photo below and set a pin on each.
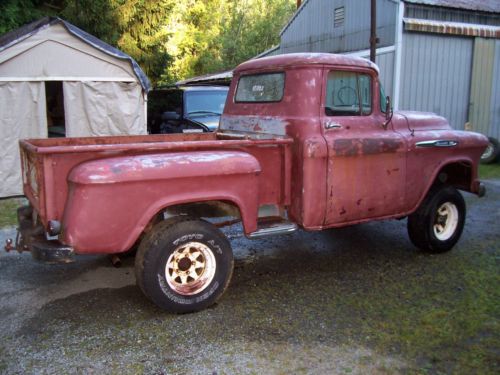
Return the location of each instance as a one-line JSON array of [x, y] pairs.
[[353, 147], [254, 124]]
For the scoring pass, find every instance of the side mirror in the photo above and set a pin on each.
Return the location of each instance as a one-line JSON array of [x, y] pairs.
[[166, 116], [388, 112], [388, 108]]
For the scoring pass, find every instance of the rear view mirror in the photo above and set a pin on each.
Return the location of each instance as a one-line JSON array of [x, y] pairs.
[[388, 112], [388, 108]]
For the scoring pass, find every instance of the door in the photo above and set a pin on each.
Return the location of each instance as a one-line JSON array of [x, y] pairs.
[[366, 161]]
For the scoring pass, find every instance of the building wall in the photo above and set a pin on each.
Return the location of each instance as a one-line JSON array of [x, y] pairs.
[[312, 28], [435, 75], [494, 130]]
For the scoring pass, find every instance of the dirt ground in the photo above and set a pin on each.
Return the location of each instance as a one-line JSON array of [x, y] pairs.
[[354, 300]]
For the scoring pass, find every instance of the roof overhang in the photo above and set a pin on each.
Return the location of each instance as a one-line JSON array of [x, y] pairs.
[[451, 28], [223, 79]]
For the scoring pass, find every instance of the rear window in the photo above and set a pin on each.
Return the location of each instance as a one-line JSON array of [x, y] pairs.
[[260, 88]]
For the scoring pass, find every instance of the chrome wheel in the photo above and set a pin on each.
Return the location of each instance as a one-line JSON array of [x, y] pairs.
[[446, 221], [190, 268]]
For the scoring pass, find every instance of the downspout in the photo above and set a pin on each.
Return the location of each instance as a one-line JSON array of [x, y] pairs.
[[398, 43], [373, 30]]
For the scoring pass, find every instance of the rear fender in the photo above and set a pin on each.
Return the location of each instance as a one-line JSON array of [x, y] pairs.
[[110, 201]]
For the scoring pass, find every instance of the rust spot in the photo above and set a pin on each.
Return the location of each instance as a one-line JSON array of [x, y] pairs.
[[257, 128], [358, 202], [345, 147], [371, 209], [342, 211], [331, 191], [353, 147], [378, 146]]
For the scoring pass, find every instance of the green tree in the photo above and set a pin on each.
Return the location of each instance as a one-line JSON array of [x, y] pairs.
[[213, 35], [15, 13]]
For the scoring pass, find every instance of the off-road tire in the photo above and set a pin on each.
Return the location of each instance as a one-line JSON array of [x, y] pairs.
[[425, 223], [164, 244]]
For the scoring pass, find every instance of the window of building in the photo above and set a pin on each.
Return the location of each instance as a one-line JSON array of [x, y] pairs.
[[338, 17], [348, 94]]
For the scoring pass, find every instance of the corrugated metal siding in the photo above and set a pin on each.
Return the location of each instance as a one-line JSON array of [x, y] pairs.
[[435, 75], [451, 15], [481, 85], [494, 130], [312, 30]]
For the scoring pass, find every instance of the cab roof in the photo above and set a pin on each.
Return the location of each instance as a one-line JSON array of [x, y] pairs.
[[301, 59]]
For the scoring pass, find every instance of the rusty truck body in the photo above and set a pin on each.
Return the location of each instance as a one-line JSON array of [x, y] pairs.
[[306, 141]]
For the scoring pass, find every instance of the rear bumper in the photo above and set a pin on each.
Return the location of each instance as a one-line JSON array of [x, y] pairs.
[[31, 237]]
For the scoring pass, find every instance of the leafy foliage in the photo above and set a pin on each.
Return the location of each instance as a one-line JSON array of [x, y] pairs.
[[170, 39]]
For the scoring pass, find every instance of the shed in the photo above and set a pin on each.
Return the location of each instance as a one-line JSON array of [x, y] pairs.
[[441, 56], [57, 80]]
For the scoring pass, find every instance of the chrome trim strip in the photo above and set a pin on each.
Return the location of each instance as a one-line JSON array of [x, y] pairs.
[[437, 143], [277, 229]]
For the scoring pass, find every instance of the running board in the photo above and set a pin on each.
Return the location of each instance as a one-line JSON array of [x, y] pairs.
[[271, 228]]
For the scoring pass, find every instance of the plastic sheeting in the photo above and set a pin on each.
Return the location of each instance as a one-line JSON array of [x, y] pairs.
[[23, 115], [103, 108]]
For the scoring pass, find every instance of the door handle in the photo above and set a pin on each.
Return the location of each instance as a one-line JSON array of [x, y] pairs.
[[332, 125]]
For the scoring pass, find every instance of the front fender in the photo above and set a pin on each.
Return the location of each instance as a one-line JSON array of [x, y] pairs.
[[110, 201]]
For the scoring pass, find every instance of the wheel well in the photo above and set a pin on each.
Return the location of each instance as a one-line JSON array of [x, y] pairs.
[[208, 209], [458, 175]]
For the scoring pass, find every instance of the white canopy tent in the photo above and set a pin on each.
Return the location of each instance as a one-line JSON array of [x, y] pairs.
[[51, 66]]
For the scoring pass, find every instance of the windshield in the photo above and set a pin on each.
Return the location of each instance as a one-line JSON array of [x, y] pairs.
[[202, 103]]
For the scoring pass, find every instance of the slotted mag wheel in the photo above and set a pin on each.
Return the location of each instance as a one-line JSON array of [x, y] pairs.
[[190, 268], [446, 221]]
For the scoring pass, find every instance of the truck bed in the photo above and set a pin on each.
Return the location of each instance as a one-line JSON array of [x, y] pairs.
[[46, 163]]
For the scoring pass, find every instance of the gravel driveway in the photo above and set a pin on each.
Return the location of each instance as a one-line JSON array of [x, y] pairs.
[[295, 305]]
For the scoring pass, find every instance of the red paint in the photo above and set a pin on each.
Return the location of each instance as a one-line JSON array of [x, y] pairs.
[[106, 190]]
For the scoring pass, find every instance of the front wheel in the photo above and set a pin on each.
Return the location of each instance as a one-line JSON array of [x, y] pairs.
[[437, 224], [492, 152], [184, 264]]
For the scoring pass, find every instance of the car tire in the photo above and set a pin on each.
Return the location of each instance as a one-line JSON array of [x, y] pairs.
[[492, 152], [437, 224], [184, 264]]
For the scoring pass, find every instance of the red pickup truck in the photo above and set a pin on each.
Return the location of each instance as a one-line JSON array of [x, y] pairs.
[[305, 141]]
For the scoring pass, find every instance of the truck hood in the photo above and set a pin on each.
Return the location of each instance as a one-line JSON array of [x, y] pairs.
[[423, 120]]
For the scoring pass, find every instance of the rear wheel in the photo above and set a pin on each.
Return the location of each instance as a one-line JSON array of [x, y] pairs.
[[438, 223], [184, 264]]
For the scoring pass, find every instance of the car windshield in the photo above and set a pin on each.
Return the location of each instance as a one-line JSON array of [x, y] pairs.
[[202, 103]]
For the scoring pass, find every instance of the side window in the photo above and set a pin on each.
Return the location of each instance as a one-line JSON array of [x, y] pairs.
[[348, 94], [382, 98]]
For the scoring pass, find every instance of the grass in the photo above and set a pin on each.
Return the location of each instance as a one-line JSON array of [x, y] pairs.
[[8, 208], [489, 171]]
